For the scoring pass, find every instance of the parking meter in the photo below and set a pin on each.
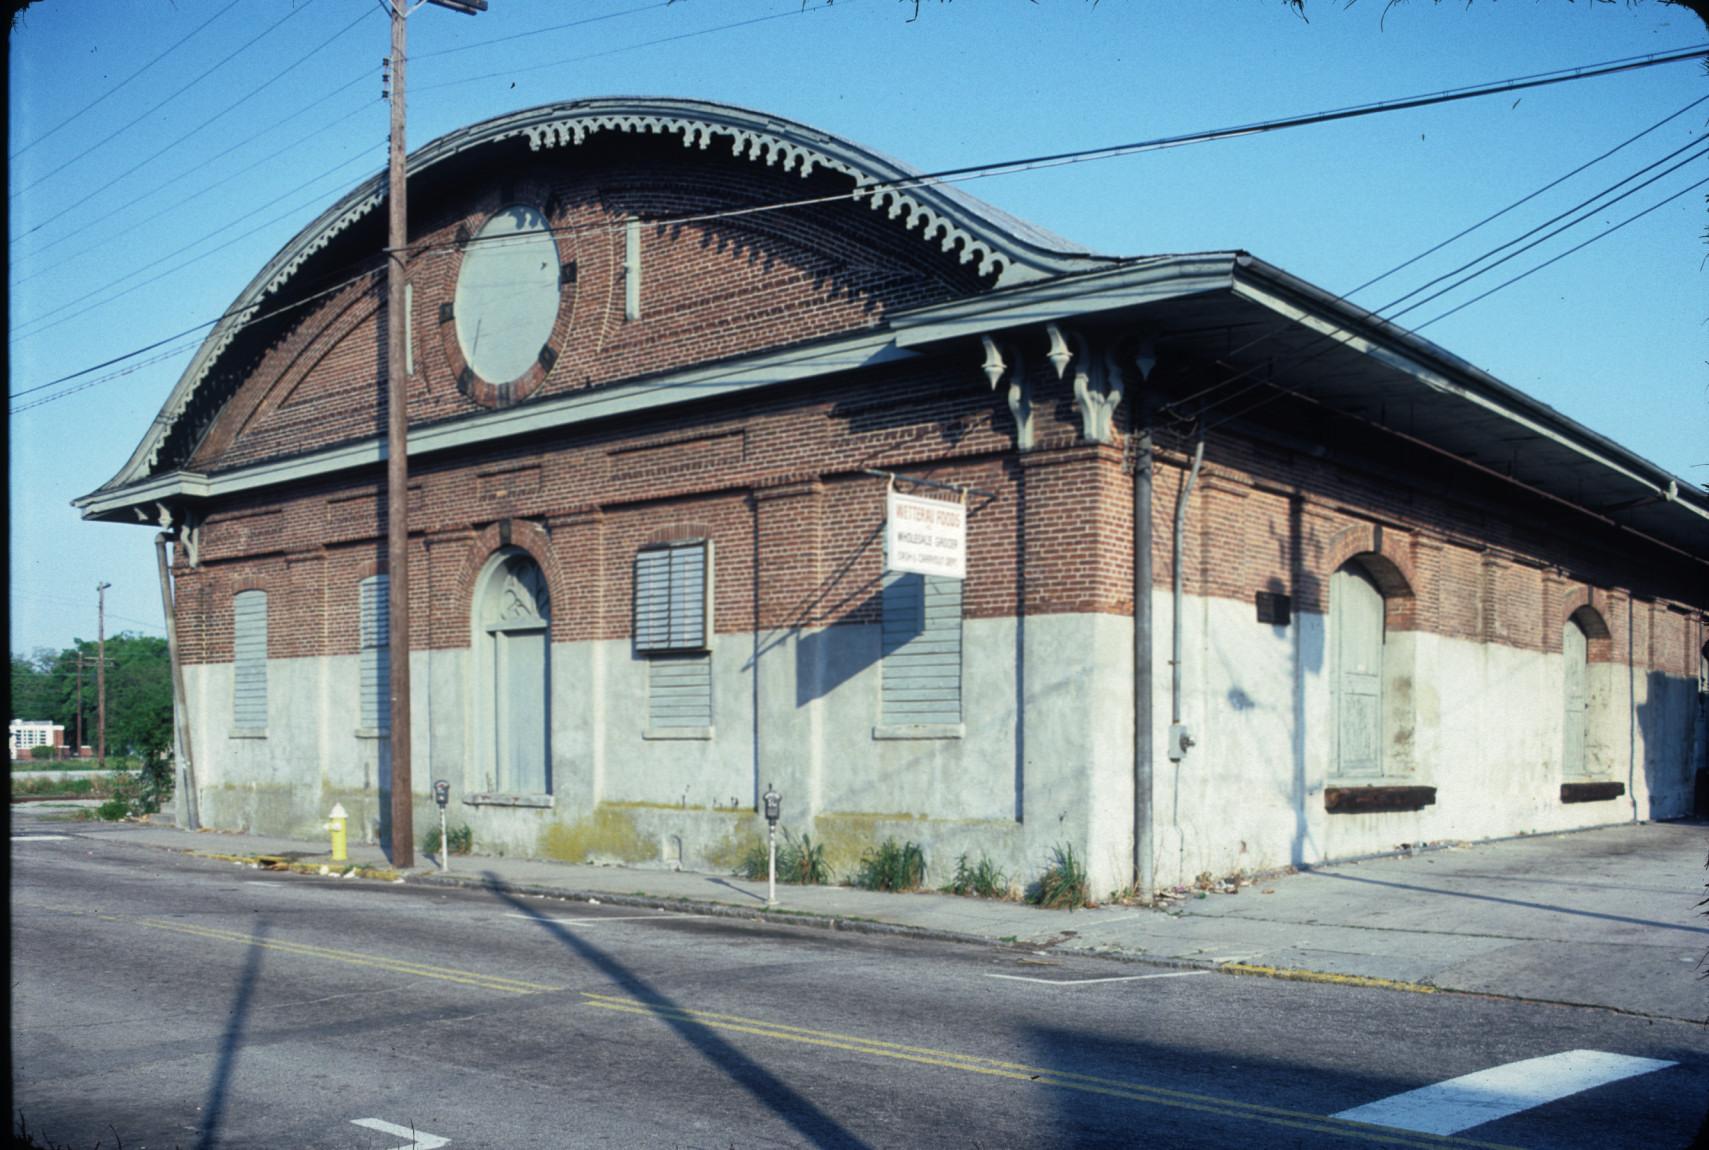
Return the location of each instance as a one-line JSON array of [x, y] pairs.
[[773, 808], [442, 796]]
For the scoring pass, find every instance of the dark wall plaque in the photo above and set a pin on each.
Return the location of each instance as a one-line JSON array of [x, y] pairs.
[[1374, 800]]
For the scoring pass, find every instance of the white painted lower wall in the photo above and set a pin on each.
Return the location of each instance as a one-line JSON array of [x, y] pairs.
[[1044, 756], [1487, 734], [1043, 759]]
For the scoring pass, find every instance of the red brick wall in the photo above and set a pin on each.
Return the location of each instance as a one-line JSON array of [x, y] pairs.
[[710, 290], [779, 484]]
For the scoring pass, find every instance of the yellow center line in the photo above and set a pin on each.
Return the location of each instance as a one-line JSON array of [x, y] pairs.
[[1021, 1072], [348, 957]]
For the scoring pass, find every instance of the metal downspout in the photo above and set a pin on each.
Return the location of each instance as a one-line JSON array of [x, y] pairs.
[[184, 777], [1144, 847], [1175, 622]]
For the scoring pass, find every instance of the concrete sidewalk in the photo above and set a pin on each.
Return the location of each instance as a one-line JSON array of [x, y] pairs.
[[1604, 918]]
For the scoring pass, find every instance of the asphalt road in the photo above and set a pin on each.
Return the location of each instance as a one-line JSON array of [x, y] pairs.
[[162, 1001]]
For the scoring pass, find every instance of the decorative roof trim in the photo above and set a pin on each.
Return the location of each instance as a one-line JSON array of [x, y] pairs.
[[1012, 250]]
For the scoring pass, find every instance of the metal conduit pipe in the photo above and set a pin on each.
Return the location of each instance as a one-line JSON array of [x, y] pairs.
[[184, 777], [1144, 849], [1179, 740]]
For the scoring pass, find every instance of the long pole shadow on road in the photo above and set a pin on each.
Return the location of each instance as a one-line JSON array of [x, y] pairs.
[[219, 1088], [812, 1123], [1543, 906]]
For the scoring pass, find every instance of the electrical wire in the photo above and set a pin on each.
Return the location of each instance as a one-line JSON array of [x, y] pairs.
[[192, 329], [969, 172], [1555, 259], [1593, 210], [110, 92], [507, 72], [539, 31], [226, 111], [1333, 340], [203, 75], [178, 205], [40, 327], [1521, 201], [1383, 312]]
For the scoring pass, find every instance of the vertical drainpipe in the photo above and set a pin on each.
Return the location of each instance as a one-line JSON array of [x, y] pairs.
[[184, 782], [1177, 738], [1144, 850]]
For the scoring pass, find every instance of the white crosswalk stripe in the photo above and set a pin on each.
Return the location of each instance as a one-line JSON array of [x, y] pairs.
[[1500, 1092]]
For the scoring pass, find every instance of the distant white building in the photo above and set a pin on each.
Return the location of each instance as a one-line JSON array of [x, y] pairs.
[[23, 734]]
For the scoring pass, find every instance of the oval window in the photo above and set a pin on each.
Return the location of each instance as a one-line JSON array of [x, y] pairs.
[[507, 294]]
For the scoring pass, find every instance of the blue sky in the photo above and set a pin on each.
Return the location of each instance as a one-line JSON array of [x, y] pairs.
[[141, 206]]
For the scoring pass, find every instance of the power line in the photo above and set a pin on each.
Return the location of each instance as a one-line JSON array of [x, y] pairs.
[[1334, 341], [191, 330], [540, 31], [616, 51], [226, 111], [1599, 235], [41, 327], [177, 205], [1379, 312], [115, 88], [969, 172], [268, 31], [1493, 216], [1545, 237]]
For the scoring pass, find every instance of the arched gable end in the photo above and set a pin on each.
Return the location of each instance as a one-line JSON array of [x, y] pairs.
[[993, 249]]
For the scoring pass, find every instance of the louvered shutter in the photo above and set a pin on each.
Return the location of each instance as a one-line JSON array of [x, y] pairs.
[[679, 692], [671, 594], [376, 657], [249, 648], [921, 671]]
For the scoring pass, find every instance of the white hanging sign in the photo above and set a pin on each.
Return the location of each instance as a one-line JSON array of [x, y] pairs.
[[925, 536]]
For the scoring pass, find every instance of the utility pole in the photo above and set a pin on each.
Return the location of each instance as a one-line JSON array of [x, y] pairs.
[[79, 704], [397, 438], [101, 674]]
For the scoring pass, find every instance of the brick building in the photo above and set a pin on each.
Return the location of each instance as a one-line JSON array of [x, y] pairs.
[[1383, 597]]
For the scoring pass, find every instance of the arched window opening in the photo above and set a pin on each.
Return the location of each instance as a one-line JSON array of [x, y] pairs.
[[1357, 653], [513, 647], [1575, 667]]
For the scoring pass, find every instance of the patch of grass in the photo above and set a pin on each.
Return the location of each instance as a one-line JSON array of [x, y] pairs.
[[800, 862], [113, 810], [981, 880], [460, 840], [1063, 883], [892, 866], [95, 786]]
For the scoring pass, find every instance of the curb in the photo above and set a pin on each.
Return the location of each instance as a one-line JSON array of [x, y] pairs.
[[1296, 974], [771, 917]]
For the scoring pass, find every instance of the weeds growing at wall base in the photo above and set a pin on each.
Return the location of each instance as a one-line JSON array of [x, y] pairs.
[[801, 862], [892, 866], [981, 880], [1063, 883], [460, 840]]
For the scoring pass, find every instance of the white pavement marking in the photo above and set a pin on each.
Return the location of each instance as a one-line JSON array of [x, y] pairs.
[[595, 920], [38, 838], [1499, 1092], [1088, 981], [418, 1139]]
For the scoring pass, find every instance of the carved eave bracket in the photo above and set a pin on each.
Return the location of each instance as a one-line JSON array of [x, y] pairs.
[[996, 369], [1098, 382]]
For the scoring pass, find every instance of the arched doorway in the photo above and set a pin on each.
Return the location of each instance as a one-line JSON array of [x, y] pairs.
[[1356, 627], [1575, 666], [513, 649]]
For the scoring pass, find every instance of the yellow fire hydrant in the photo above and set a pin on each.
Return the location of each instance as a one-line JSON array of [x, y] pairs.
[[336, 826]]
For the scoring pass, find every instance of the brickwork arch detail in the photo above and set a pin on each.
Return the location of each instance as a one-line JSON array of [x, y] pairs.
[[520, 535]]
